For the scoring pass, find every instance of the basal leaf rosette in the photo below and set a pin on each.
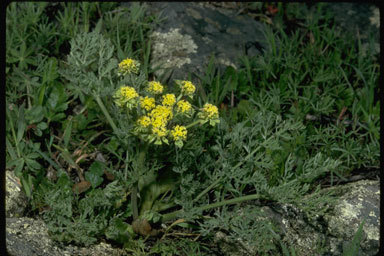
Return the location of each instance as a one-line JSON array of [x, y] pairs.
[[128, 66], [209, 113]]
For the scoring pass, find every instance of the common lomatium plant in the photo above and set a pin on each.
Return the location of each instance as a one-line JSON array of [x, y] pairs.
[[144, 115]]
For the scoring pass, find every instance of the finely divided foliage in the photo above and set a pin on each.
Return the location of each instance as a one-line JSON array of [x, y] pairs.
[[104, 149]]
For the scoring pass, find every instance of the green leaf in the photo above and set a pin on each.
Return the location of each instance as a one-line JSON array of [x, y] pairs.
[[27, 183], [42, 126], [94, 174], [35, 114], [32, 164], [19, 167], [67, 133], [119, 231], [10, 149], [21, 125], [94, 179], [97, 168]]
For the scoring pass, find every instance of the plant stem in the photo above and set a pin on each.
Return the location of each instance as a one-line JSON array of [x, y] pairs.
[[135, 209], [173, 215], [105, 112], [135, 190], [192, 124]]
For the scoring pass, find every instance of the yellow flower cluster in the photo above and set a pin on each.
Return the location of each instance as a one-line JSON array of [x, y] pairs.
[[209, 111], [160, 115], [147, 103], [128, 66], [169, 100], [179, 133], [126, 95], [184, 107], [187, 88], [144, 121], [155, 87], [157, 116]]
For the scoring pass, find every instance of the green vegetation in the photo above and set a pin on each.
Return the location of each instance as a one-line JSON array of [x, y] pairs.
[[302, 112]]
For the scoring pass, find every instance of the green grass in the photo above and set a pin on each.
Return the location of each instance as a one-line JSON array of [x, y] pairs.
[[303, 111]]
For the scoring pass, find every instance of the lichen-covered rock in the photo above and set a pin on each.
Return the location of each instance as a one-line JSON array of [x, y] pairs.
[[15, 199], [192, 32], [329, 234], [29, 237], [361, 200]]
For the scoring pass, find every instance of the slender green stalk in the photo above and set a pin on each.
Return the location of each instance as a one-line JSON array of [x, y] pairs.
[[135, 209], [13, 133], [135, 189], [192, 124], [173, 215], [105, 112]]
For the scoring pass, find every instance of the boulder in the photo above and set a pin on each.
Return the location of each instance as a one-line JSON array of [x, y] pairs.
[[193, 32], [329, 234], [29, 237], [15, 199]]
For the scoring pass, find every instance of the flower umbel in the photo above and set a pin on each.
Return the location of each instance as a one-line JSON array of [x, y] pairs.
[[179, 133], [128, 66], [184, 107], [209, 113], [126, 95], [144, 121], [160, 115], [187, 88], [169, 100], [147, 103], [155, 87]]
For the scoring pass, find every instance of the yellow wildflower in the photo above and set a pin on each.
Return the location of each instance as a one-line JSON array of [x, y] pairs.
[[155, 87], [209, 111], [144, 121], [187, 88], [125, 96], [129, 66], [179, 133], [147, 103], [160, 131], [169, 100], [162, 113], [184, 106]]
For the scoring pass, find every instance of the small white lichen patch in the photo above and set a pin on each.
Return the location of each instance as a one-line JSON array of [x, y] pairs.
[[349, 211], [375, 18], [171, 50]]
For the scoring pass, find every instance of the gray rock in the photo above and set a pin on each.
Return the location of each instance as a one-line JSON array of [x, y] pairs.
[[29, 237], [327, 235], [192, 32], [15, 199], [360, 19], [361, 200]]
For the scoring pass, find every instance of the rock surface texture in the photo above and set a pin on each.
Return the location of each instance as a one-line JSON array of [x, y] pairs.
[[29, 237], [15, 199], [193, 32], [333, 232]]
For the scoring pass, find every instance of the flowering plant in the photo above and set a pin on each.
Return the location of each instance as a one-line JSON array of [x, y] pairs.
[[145, 116], [161, 117]]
